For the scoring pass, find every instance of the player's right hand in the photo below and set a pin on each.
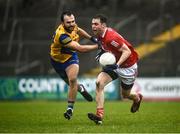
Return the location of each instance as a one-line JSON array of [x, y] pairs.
[[94, 39]]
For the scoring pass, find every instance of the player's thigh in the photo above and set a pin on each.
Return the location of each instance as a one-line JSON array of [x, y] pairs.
[[103, 79], [127, 75], [126, 85], [72, 71], [60, 69]]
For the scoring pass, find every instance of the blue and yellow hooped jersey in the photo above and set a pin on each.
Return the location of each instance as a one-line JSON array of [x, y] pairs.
[[59, 52]]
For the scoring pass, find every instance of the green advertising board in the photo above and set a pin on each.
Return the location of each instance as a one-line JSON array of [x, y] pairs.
[[18, 88]]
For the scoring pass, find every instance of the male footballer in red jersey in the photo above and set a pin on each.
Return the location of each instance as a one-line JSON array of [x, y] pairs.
[[125, 67]]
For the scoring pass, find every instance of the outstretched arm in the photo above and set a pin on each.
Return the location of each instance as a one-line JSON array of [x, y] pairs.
[[66, 41], [81, 48], [83, 33]]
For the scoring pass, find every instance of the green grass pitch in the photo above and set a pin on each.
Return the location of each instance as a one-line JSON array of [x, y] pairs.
[[47, 117]]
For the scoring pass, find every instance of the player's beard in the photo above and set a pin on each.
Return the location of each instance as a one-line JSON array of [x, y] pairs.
[[69, 29]]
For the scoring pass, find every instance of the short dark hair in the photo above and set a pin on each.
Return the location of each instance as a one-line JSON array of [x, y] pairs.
[[67, 12], [102, 17]]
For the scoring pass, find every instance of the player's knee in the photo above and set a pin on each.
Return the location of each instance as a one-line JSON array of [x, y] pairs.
[[99, 85], [125, 94], [72, 80]]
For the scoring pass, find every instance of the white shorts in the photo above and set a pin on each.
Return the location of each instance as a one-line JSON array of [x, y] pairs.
[[127, 75]]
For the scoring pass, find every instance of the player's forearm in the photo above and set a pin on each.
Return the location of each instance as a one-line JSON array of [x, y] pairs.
[[84, 33], [124, 57], [81, 48], [87, 48]]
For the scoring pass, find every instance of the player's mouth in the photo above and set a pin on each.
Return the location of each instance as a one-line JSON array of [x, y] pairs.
[[94, 31], [71, 28]]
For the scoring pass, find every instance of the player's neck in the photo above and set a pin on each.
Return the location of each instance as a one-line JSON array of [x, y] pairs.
[[103, 32]]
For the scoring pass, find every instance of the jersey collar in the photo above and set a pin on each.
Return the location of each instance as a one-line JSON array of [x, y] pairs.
[[104, 33]]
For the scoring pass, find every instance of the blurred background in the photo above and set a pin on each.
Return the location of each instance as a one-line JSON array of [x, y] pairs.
[[27, 26]]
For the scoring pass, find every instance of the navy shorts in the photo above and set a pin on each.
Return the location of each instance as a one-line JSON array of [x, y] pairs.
[[60, 67]]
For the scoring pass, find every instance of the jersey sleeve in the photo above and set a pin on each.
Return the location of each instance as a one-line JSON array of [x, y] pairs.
[[64, 39]]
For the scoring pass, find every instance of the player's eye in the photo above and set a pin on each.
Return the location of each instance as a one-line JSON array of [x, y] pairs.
[[94, 24], [70, 22]]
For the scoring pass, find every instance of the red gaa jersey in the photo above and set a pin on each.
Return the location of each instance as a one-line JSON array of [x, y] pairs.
[[112, 42]]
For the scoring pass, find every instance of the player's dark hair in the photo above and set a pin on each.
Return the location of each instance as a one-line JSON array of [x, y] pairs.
[[67, 12], [103, 18]]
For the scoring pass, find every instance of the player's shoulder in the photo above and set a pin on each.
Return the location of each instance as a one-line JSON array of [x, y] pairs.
[[113, 34], [111, 30], [76, 28], [64, 38], [60, 30]]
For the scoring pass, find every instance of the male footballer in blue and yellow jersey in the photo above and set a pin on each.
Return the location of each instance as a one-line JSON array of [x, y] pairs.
[[64, 57]]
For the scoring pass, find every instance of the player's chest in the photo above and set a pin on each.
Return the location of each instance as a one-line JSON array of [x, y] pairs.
[[105, 44], [74, 36]]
